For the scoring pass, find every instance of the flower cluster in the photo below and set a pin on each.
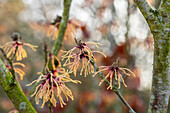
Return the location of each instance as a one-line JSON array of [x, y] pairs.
[[16, 48], [71, 29], [114, 74], [81, 52], [53, 85], [11, 47]]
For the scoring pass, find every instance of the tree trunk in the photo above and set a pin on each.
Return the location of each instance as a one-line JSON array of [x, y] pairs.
[[158, 22], [14, 92]]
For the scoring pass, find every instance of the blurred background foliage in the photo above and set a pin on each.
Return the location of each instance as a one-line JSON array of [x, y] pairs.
[[116, 24]]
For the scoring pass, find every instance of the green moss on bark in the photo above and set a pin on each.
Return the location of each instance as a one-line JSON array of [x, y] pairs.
[[158, 22], [14, 92]]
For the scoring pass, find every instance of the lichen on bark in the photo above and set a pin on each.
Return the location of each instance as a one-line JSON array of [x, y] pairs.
[[158, 21], [14, 92]]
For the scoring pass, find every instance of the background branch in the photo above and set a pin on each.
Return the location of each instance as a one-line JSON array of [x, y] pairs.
[[43, 71]]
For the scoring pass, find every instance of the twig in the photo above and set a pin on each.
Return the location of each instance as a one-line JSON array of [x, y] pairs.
[[16, 49], [43, 71], [50, 107], [45, 57], [58, 42], [4, 54], [114, 88], [124, 101], [63, 25]]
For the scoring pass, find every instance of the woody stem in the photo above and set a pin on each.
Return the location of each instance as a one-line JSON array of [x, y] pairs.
[[50, 107], [114, 88]]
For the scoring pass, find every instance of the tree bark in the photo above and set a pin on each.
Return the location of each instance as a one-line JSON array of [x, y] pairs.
[[158, 21], [14, 92]]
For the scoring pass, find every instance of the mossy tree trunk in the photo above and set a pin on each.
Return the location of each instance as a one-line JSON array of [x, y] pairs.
[[14, 92], [158, 21]]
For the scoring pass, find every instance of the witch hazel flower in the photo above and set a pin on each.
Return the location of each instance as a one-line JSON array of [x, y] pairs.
[[16, 47], [56, 65], [17, 70], [54, 61], [72, 27], [52, 86], [114, 74], [81, 53]]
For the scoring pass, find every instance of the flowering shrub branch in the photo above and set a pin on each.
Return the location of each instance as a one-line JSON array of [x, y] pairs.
[[14, 49], [114, 88], [63, 25], [10, 51], [114, 74], [82, 53], [51, 83], [58, 42]]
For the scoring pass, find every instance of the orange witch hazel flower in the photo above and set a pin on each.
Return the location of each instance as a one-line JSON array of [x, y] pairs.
[[114, 73], [53, 85], [81, 52], [16, 47], [18, 71], [54, 61], [71, 29]]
